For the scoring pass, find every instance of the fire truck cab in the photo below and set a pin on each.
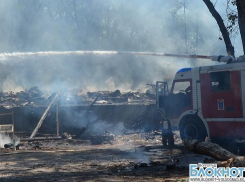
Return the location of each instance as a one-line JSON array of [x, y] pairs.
[[206, 101]]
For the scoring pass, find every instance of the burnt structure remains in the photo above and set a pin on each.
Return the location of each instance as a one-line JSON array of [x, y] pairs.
[[73, 111]]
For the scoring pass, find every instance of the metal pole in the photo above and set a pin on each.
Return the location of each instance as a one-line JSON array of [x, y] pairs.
[[57, 118]]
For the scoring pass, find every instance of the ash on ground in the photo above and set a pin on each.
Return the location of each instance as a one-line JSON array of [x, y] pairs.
[[132, 156]]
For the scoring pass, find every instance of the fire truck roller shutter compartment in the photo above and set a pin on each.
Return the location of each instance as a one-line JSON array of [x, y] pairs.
[[221, 101]]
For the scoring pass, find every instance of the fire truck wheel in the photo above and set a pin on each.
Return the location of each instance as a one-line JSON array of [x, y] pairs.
[[193, 128]]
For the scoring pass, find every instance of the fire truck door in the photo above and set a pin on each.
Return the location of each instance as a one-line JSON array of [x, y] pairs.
[[181, 97]]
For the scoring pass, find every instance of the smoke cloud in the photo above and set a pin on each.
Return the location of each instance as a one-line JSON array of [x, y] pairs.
[[138, 25]]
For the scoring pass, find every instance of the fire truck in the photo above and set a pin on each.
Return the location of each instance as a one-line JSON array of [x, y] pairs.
[[206, 101]]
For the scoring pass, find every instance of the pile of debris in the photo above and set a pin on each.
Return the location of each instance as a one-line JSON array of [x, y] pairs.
[[95, 139], [35, 97], [117, 96], [31, 97]]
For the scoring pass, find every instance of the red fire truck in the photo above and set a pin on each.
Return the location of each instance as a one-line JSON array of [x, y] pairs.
[[206, 101]]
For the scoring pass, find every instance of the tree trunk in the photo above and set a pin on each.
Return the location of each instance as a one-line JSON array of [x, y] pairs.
[[208, 148], [241, 20], [222, 27], [217, 152]]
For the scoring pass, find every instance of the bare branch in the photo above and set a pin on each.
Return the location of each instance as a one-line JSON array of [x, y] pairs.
[[222, 27]]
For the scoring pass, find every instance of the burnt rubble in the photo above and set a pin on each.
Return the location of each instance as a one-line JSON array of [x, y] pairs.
[[72, 115], [31, 97], [35, 97]]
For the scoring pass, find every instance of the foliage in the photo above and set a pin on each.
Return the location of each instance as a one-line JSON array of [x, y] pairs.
[[232, 16]]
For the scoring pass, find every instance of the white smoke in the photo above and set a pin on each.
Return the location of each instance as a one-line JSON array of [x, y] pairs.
[[100, 127], [4, 139], [88, 70]]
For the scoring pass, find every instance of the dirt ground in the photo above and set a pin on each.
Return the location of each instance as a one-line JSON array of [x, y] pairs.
[[130, 157]]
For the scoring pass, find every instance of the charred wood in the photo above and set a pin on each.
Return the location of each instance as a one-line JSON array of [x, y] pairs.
[[224, 157]]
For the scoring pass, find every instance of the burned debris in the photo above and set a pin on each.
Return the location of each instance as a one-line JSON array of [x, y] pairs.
[[76, 115], [35, 97], [114, 107], [66, 136], [31, 97]]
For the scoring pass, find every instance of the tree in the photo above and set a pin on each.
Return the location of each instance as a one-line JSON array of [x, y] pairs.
[[241, 19], [233, 17]]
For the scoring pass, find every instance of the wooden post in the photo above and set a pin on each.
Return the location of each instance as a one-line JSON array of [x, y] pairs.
[[57, 117], [44, 115], [12, 115]]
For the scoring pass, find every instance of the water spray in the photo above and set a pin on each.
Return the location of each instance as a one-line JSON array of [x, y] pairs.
[[5, 56]]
